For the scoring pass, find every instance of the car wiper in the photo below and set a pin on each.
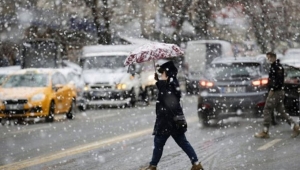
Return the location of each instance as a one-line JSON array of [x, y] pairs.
[[240, 75]]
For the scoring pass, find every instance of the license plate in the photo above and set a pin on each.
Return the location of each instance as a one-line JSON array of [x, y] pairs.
[[234, 90], [14, 107], [101, 94]]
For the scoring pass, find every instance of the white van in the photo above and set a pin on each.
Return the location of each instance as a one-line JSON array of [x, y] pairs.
[[198, 55], [107, 81]]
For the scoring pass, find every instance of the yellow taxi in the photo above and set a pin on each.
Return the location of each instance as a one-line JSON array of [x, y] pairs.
[[37, 93]]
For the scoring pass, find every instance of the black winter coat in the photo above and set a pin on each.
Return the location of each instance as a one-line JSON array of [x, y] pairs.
[[167, 106], [276, 76]]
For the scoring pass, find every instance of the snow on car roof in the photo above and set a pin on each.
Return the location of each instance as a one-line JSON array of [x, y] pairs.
[[9, 69], [35, 70], [292, 51], [106, 54], [87, 50], [229, 60]]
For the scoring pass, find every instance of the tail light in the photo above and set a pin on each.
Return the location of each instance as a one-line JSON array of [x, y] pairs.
[[204, 83], [261, 104], [206, 106], [260, 82]]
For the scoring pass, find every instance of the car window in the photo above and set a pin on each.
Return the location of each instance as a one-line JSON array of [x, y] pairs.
[[265, 68], [2, 78], [72, 77], [55, 79], [61, 78], [99, 62], [235, 70], [291, 73], [26, 80]]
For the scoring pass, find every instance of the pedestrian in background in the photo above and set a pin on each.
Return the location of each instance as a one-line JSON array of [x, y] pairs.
[[275, 98], [168, 105]]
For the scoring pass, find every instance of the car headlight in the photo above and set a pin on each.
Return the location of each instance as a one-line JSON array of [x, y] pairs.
[[38, 97], [86, 88], [121, 86], [151, 78]]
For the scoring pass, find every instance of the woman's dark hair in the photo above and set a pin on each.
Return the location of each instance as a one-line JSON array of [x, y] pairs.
[[169, 68], [271, 54]]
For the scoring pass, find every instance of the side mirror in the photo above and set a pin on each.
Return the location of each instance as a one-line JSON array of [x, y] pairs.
[[131, 69]]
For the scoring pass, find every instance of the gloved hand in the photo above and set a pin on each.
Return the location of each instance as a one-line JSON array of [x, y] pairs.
[[156, 76]]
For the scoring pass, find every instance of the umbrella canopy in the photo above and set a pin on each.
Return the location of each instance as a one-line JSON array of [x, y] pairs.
[[153, 51]]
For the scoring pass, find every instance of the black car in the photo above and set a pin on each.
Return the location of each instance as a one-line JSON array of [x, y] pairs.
[[292, 89], [233, 87]]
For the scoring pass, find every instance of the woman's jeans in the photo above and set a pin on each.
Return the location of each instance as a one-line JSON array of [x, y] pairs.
[[180, 139]]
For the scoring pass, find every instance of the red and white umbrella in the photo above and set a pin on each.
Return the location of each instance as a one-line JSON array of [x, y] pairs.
[[153, 51]]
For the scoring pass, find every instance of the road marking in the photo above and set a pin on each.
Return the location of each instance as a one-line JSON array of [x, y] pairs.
[[269, 144], [79, 149], [47, 127], [31, 129], [73, 151], [103, 116]]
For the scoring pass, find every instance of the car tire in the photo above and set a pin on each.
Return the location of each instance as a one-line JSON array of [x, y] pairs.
[[132, 102], [50, 116], [82, 107], [72, 111], [203, 118]]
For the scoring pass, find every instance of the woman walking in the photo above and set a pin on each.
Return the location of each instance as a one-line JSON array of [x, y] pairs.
[[167, 107]]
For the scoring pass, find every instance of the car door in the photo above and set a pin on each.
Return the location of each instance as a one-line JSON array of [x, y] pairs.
[[58, 94], [66, 92]]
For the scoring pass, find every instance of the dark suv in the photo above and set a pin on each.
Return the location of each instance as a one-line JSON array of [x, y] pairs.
[[233, 87], [292, 89]]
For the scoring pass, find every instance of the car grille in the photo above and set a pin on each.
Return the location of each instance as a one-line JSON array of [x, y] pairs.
[[23, 111], [98, 95], [18, 101], [100, 86]]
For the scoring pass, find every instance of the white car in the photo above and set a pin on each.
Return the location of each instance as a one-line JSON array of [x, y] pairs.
[[107, 81]]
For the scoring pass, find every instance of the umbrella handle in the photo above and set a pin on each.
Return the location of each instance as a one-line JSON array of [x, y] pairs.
[[154, 66]]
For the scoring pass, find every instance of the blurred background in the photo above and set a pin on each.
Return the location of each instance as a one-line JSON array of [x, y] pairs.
[[252, 26]]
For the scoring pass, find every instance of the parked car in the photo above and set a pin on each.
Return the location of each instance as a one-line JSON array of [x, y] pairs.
[[233, 87], [37, 93], [292, 89], [74, 77]]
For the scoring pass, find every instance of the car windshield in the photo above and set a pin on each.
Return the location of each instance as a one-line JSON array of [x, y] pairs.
[[26, 80], [234, 70], [291, 73], [291, 58], [2, 78], [110, 62]]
